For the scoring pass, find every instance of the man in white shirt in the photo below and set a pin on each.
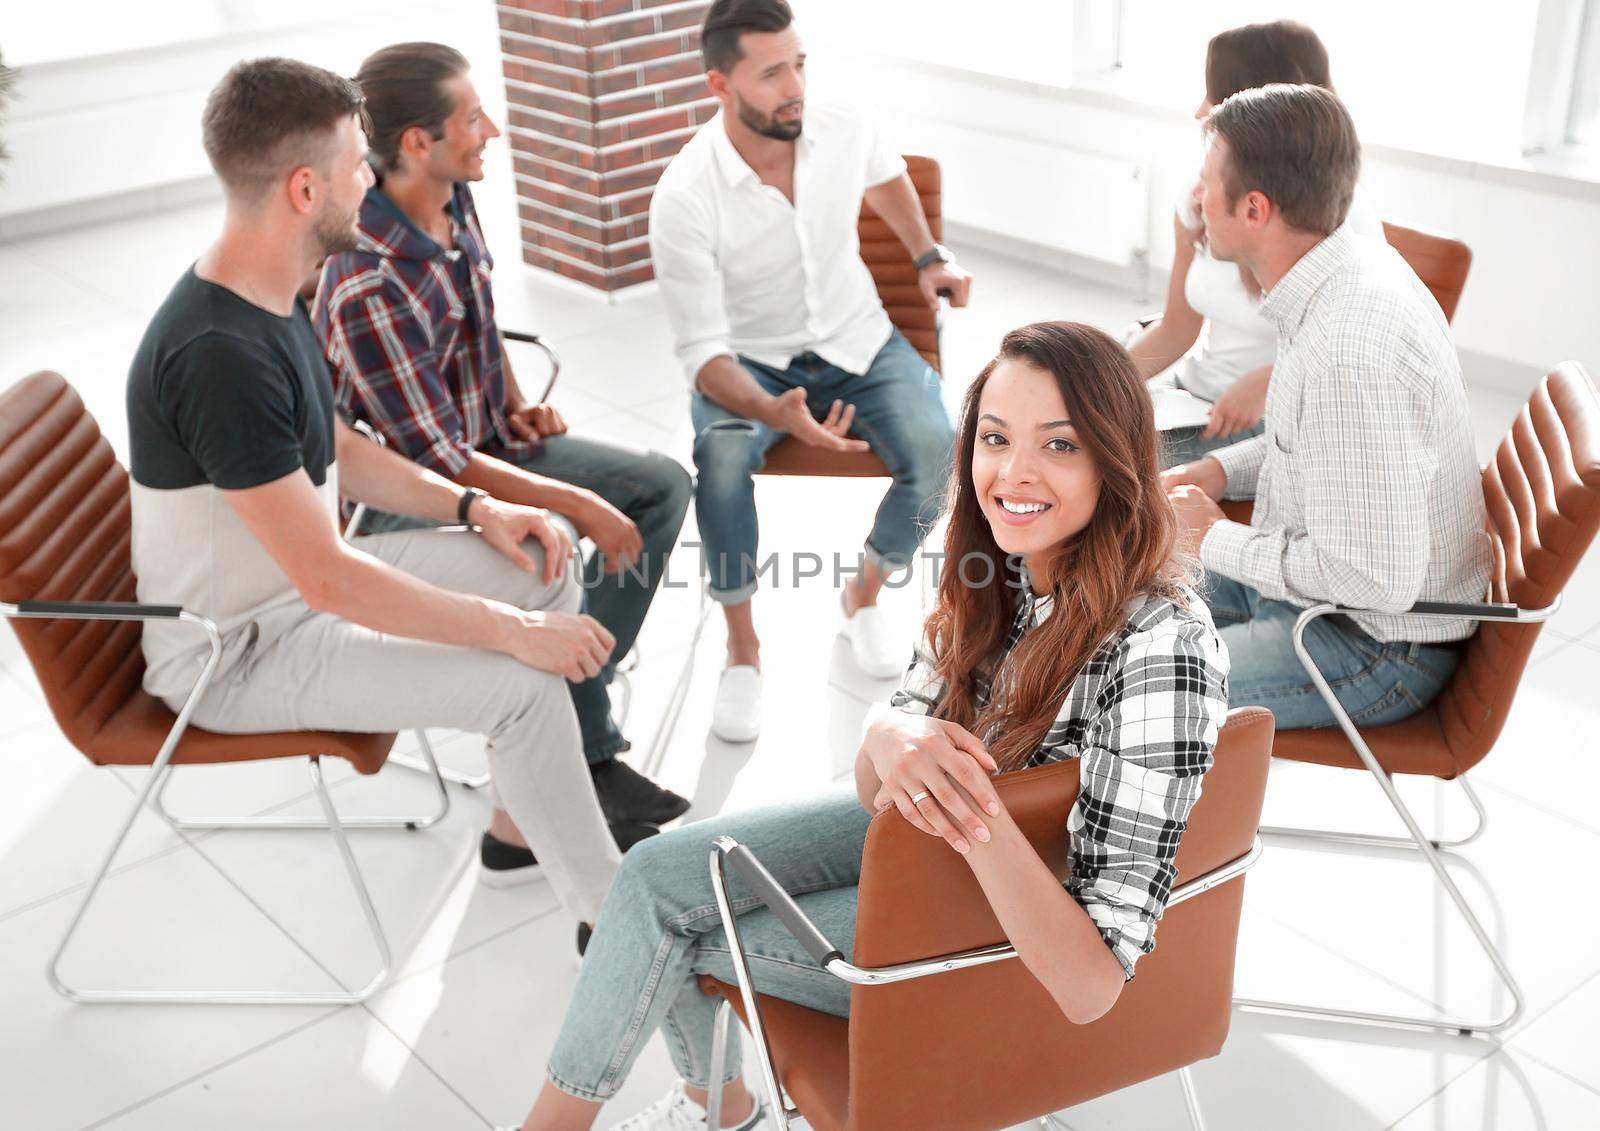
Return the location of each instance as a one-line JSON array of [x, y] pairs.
[[1366, 486], [780, 330]]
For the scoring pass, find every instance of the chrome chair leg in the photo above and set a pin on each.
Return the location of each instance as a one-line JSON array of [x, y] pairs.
[[224, 997], [426, 764], [657, 753], [1373, 840], [1191, 1099], [1448, 1024], [719, 1064], [399, 821], [778, 1109]]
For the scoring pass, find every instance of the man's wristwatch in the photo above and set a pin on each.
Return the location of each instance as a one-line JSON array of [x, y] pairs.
[[464, 507], [938, 253]]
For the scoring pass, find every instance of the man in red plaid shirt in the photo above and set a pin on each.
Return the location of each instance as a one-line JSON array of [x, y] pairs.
[[408, 323]]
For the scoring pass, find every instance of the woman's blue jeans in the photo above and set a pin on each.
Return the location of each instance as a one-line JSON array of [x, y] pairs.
[[659, 929]]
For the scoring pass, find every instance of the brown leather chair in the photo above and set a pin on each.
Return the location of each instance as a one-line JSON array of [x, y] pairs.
[[986, 1046], [892, 270], [1440, 261], [67, 585], [1542, 492]]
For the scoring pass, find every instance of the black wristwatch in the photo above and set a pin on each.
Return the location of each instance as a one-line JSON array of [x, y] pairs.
[[468, 497], [938, 253]]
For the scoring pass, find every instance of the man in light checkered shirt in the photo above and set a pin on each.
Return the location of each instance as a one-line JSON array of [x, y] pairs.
[[1366, 486]]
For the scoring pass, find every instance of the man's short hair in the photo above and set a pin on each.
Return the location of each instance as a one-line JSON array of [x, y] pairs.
[[404, 87], [729, 19], [1294, 144], [268, 116]]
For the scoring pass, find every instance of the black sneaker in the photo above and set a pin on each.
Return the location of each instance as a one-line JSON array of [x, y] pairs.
[[503, 865], [627, 795], [585, 933]]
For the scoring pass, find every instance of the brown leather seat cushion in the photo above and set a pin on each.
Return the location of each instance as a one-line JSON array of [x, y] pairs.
[[896, 278], [65, 529]]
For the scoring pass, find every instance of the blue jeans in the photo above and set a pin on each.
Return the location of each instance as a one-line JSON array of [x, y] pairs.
[[899, 413], [1185, 445], [1374, 682], [650, 489], [659, 928]]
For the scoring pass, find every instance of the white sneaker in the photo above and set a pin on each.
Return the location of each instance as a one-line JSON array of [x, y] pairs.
[[877, 649], [736, 717], [675, 1111]]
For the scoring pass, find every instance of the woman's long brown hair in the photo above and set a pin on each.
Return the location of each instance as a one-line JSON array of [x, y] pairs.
[[1127, 549]]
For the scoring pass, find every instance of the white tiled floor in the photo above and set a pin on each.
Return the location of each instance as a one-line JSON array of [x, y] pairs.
[[457, 1040]]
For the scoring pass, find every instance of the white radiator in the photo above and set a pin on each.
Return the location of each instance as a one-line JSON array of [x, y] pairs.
[[1084, 203]]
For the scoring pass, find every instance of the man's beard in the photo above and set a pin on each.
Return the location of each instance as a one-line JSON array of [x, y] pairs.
[[335, 233], [768, 125]]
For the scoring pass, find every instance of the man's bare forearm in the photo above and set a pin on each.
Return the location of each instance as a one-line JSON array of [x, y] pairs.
[[509, 482], [897, 204], [730, 385], [372, 474]]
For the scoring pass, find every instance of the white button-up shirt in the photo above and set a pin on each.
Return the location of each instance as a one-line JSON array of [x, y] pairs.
[[743, 271], [1367, 490]]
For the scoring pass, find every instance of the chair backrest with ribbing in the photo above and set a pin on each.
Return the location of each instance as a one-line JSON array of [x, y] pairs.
[[65, 530], [1542, 492], [988, 1046]]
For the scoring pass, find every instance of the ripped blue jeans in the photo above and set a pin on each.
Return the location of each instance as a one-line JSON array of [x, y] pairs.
[[900, 413]]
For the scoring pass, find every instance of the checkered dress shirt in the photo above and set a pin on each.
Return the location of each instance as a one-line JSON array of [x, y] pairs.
[[1366, 486], [411, 340], [1143, 717]]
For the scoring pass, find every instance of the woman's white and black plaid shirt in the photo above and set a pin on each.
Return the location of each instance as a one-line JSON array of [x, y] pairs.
[[1143, 716]]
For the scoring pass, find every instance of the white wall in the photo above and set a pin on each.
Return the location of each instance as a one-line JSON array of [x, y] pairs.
[[1532, 298], [90, 135]]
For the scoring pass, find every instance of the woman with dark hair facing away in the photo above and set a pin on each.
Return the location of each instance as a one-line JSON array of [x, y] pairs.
[[1213, 303], [1065, 627]]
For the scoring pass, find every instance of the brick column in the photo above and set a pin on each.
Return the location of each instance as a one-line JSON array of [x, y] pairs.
[[601, 94]]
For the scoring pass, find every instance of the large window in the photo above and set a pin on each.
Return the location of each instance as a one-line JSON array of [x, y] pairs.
[[1451, 77]]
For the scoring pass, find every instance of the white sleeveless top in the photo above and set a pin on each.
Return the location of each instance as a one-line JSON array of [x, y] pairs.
[[1235, 338]]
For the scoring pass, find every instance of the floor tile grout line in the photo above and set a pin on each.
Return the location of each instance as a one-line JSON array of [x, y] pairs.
[[1356, 963], [201, 1075], [1489, 1052], [1566, 818], [402, 978], [283, 930], [1500, 1047], [416, 1055]]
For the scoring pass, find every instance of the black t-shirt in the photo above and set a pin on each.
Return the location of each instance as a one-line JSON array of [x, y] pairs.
[[222, 396], [226, 393]]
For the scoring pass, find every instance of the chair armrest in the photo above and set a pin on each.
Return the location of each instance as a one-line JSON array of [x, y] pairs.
[[828, 956], [1472, 610], [549, 352], [778, 901], [92, 610]]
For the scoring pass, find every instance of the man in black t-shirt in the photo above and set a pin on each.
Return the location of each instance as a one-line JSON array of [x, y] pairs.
[[239, 463]]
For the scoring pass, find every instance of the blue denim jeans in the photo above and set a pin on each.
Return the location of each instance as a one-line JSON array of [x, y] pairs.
[[659, 928], [653, 491], [1374, 682], [899, 413], [1185, 445]]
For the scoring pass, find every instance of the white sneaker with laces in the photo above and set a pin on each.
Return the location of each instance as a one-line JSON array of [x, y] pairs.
[[878, 651], [736, 716], [675, 1111]]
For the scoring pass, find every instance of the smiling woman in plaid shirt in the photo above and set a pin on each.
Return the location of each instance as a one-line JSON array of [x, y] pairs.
[[1065, 629]]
